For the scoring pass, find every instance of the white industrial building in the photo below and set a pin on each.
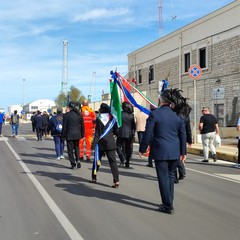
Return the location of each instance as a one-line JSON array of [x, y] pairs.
[[41, 105]]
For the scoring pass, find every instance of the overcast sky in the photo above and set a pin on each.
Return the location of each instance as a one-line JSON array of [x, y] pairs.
[[100, 34]]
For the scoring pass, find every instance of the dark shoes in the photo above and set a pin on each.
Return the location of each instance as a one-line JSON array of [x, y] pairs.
[[78, 164], [163, 209], [115, 185], [72, 166], [126, 164], [149, 165], [181, 177], [204, 160], [93, 181], [214, 157], [121, 164]]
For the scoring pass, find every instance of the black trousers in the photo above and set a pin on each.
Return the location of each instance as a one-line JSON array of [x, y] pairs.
[[125, 149], [39, 133], [111, 156], [239, 151], [73, 151]]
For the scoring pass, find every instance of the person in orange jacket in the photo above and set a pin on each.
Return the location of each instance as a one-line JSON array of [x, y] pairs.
[[89, 119]]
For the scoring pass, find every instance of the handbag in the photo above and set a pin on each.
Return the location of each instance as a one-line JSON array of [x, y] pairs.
[[217, 141]]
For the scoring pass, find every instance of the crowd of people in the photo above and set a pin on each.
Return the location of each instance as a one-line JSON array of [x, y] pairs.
[[163, 137]]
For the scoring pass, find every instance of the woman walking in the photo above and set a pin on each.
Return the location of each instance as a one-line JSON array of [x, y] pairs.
[[104, 143]]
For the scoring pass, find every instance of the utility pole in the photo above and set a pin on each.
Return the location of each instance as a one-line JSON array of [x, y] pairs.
[[91, 94], [160, 16], [65, 68], [23, 99]]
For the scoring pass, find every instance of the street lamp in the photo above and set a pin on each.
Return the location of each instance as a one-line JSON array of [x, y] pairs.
[[23, 92]]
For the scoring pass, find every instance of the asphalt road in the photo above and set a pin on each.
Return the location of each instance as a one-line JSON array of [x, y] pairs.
[[42, 199]]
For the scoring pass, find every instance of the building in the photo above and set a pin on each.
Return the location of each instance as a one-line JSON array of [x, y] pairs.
[[12, 108], [41, 105], [213, 43]]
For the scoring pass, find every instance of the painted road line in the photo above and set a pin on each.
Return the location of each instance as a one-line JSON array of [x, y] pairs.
[[63, 220], [228, 177]]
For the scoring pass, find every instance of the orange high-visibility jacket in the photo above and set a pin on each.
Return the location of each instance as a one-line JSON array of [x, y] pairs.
[[89, 118]]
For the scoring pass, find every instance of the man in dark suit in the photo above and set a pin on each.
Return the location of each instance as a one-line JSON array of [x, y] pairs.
[[167, 135], [73, 131]]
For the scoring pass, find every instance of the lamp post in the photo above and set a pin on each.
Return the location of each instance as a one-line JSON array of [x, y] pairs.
[[23, 92]]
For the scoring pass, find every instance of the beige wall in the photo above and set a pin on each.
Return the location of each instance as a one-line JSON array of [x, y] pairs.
[[219, 32]]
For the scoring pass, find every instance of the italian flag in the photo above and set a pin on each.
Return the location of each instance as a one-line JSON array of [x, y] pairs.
[[115, 104]]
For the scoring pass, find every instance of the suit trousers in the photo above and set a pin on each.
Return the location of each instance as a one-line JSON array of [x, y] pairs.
[[165, 173], [125, 149], [238, 151], [111, 156], [73, 151]]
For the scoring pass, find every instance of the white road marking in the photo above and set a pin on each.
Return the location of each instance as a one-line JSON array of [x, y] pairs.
[[229, 177], [63, 220]]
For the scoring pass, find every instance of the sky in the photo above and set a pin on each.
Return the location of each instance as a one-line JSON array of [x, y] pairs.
[[100, 35]]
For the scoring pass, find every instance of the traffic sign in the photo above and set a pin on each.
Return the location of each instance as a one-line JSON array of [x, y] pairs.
[[195, 72]]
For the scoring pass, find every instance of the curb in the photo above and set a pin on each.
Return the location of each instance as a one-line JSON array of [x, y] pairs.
[[227, 156]]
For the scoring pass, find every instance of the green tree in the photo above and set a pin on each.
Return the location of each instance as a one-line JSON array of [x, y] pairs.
[[74, 95], [61, 100]]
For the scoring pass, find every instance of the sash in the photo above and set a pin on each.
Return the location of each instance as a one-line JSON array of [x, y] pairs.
[[96, 161]]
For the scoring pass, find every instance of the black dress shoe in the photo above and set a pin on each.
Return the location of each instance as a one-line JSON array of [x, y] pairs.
[[121, 164], [78, 164], [149, 165], [204, 160], [126, 164], [176, 181], [163, 209], [72, 166], [181, 177]]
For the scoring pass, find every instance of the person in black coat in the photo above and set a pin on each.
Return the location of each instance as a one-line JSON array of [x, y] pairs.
[[39, 125], [126, 134], [105, 124], [73, 131], [45, 117], [167, 135], [56, 132]]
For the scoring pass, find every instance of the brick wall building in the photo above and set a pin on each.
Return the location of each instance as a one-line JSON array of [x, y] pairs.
[[213, 43]]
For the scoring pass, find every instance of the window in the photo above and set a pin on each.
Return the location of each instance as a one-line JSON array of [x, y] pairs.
[[202, 57], [151, 74], [140, 76], [34, 107], [186, 62]]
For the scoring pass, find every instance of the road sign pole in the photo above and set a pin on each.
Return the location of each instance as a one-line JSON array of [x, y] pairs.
[[195, 111], [195, 72]]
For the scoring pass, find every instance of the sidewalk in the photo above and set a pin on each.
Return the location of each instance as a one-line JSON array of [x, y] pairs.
[[227, 151]]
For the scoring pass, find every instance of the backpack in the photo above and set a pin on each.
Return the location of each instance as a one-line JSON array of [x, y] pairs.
[[15, 119], [59, 125]]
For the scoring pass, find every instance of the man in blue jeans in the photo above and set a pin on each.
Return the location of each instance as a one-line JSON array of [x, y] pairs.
[[2, 120], [55, 126], [15, 123]]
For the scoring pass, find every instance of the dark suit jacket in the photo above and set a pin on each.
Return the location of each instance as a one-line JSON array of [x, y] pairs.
[[38, 120], [167, 134], [73, 126], [108, 142], [128, 127]]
